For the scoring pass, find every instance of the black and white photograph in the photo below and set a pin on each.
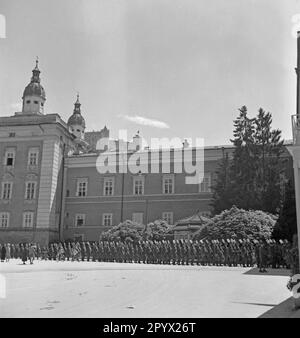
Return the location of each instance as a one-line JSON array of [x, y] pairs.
[[149, 162]]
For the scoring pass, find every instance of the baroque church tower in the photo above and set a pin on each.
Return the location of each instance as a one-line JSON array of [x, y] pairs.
[[34, 95], [33, 146], [76, 121]]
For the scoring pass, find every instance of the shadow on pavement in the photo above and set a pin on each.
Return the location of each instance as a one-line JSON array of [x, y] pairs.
[[285, 309], [270, 272], [256, 304]]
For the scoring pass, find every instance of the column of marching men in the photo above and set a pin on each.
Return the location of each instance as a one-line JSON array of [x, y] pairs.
[[225, 252]]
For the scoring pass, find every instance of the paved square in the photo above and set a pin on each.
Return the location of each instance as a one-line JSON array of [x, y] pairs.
[[93, 289]]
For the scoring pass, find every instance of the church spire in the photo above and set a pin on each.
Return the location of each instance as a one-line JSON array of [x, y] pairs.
[[36, 72], [77, 105], [34, 95], [76, 121]]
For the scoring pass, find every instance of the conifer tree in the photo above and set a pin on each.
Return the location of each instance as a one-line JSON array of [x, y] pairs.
[[253, 175], [286, 225], [221, 186], [242, 167], [269, 165]]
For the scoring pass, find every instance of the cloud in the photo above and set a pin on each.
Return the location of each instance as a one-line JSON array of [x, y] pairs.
[[144, 121]]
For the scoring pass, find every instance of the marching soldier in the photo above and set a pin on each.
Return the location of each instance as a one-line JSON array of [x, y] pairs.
[[263, 256], [88, 251], [94, 252]]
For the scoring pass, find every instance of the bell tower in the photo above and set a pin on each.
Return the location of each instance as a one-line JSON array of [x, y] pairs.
[[76, 121], [34, 95]]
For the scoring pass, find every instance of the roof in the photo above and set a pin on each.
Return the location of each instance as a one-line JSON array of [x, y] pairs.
[[76, 119], [34, 89], [192, 220]]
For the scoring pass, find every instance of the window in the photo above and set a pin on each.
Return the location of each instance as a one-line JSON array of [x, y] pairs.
[[28, 101], [138, 185], [168, 184], [6, 190], [205, 185], [33, 157], [168, 217], [82, 185], [107, 220], [36, 102], [30, 190], [4, 219], [28, 219], [10, 157], [108, 186], [79, 220], [137, 217]]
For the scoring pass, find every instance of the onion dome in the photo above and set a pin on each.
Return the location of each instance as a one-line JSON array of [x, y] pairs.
[[34, 88], [76, 118]]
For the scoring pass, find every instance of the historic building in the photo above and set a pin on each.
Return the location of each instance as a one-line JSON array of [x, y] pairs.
[[52, 188]]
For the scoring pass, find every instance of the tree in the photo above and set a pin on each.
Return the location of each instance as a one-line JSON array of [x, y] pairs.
[[252, 176], [242, 166], [125, 231], [131, 231], [157, 230], [238, 224], [269, 165], [286, 225], [221, 186]]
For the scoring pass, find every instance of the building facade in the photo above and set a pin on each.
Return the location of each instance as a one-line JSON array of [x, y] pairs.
[[52, 188]]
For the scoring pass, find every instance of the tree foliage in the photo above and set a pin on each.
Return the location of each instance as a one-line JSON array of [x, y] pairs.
[[237, 224], [251, 178], [286, 225], [131, 231], [126, 231], [222, 192], [157, 230]]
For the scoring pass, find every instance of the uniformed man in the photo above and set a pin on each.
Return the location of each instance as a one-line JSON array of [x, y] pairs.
[[263, 256]]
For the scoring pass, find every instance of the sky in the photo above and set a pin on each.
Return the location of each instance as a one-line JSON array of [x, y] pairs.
[[165, 68]]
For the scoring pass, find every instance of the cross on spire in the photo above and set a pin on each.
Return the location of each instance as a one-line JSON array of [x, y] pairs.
[[77, 105], [36, 72]]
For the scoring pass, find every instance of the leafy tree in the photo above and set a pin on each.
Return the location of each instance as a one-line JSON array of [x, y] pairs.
[[157, 230], [238, 223], [125, 231], [131, 231]]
